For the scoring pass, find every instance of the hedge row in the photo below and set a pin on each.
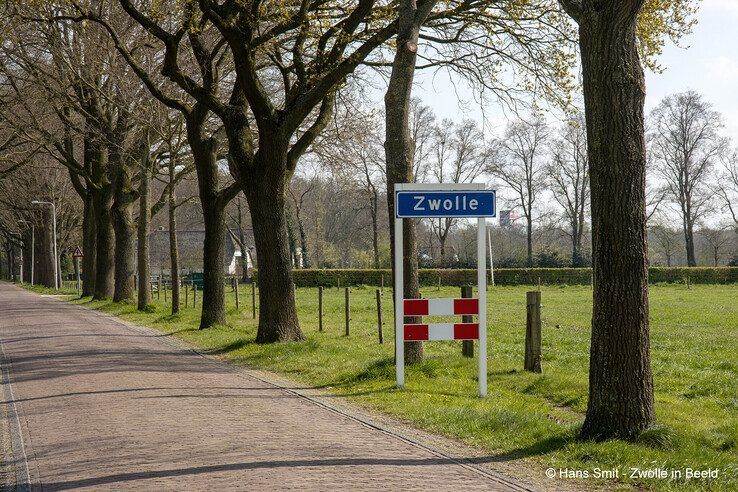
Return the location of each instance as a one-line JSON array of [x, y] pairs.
[[508, 276]]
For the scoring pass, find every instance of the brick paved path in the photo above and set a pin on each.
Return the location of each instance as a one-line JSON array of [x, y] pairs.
[[103, 405]]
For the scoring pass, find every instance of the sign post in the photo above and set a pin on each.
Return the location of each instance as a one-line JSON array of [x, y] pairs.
[[415, 200], [77, 255]]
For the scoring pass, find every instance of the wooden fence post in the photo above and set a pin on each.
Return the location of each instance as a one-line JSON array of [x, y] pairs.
[[194, 295], [187, 295], [348, 311], [467, 346], [158, 287], [379, 316], [533, 332], [320, 308], [235, 289], [165, 291], [253, 298]]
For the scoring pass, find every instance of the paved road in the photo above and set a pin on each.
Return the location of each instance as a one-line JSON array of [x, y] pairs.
[[104, 405]]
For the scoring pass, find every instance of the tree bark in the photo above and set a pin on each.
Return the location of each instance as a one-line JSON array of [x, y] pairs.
[[173, 248], [44, 269], [689, 242], [374, 207], [267, 199], [125, 233], [213, 200], [621, 403], [399, 147], [144, 221], [529, 238], [105, 265], [89, 245]]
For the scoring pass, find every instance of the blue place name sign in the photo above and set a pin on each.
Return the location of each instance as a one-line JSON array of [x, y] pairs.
[[425, 203]]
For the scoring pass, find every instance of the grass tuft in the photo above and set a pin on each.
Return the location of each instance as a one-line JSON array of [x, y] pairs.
[[657, 436]]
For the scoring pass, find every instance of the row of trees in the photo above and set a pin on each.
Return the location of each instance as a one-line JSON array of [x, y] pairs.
[[97, 85], [539, 171]]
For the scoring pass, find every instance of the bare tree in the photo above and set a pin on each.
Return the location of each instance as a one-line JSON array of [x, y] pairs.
[[665, 240], [352, 149], [458, 157], [568, 174], [727, 185], [715, 241], [685, 142], [521, 167]]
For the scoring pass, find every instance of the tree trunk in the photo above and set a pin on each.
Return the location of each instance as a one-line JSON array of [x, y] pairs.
[[44, 270], [689, 241], [375, 227], [267, 198], [399, 147], [173, 248], [204, 153], [144, 221], [89, 245], [621, 400], [125, 234], [104, 258], [576, 239], [213, 294], [529, 238], [303, 242]]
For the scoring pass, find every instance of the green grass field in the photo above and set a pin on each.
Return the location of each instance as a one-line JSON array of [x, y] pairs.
[[526, 416]]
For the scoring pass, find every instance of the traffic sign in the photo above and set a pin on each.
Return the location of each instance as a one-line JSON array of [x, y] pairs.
[[415, 200], [78, 253], [445, 203]]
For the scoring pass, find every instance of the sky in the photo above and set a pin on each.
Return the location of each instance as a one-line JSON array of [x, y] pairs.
[[706, 61]]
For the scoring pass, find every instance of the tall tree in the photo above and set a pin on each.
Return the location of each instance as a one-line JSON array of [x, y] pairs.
[[399, 145], [727, 187], [568, 175], [685, 142], [620, 400], [520, 166], [352, 149], [459, 157]]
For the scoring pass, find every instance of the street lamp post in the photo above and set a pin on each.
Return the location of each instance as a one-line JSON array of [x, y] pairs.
[[56, 257], [33, 245]]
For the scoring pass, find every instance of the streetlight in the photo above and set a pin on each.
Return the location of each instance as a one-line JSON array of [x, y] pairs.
[[33, 244], [56, 258]]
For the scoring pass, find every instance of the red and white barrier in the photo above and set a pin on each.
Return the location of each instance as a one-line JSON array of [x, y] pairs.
[[440, 307], [442, 331]]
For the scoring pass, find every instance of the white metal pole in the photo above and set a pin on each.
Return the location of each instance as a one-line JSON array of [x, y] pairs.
[[491, 260], [482, 295], [79, 283], [399, 307], [56, 255]]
